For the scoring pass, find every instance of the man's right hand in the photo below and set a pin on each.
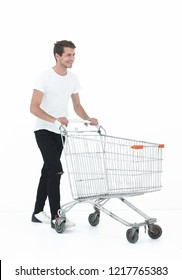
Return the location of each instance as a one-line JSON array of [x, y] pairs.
[[63, 121]]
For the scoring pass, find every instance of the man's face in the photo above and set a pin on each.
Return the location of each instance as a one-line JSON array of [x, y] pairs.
[[67, 58]]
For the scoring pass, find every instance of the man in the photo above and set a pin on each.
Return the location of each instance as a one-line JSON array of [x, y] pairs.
[[51, 95]]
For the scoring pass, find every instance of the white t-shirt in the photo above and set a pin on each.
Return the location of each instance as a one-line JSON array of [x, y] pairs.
[[57, 91]]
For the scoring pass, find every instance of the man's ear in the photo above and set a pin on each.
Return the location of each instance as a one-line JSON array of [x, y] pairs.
[[57, 56]]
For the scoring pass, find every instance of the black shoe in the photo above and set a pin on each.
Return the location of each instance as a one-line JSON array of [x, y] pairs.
[[41, 217], [34, 219]]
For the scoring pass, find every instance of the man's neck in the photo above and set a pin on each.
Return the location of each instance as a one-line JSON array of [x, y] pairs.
[[60, 70]]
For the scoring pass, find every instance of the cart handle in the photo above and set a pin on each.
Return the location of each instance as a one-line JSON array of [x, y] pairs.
[[98, 126], [59, 125]]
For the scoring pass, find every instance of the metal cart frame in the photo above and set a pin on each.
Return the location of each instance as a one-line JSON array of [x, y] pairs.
[[102, 167]]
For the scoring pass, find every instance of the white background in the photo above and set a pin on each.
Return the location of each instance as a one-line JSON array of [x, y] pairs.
[[129, 62]]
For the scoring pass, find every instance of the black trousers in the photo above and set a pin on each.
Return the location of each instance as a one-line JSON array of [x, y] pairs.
[[51, 147]]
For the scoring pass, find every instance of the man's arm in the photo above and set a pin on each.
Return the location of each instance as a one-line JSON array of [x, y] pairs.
[[35, 107], [36, 110], [79, 110]]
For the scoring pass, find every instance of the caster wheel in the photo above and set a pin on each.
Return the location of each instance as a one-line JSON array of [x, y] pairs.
[[60, 226], [132, 235], [94, 219], [154, 231]]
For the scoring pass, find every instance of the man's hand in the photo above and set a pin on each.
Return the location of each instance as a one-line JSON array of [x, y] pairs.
[[93, 121], [63, 121]]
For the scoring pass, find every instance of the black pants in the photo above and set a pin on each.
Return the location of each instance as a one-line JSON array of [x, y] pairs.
[[51, 146]]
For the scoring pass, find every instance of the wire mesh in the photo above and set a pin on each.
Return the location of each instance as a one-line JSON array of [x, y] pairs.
[[108, 166]]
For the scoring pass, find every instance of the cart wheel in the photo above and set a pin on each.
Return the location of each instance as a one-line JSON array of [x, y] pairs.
[[94, 219], [132, 235], [154, 231], [60, 226]]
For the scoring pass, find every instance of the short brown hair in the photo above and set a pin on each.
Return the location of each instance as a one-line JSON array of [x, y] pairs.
[[59, 46]]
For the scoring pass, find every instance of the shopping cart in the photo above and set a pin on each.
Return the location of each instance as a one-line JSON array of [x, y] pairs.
[[102, 167]]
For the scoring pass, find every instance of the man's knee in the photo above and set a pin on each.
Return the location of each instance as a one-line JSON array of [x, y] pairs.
[[60, 173], [55, 170]]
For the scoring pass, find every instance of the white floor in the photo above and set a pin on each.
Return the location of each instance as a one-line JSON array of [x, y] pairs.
[[23, 241], [20, 238]]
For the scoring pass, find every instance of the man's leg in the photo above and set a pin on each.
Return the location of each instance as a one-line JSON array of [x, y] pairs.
[[50, 145], [41, 191]]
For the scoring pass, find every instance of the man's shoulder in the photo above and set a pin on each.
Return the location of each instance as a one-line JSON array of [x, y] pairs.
[[45, 73], [72, 75]]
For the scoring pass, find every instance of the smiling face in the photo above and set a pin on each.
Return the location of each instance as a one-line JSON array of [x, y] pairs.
[[67, 58]]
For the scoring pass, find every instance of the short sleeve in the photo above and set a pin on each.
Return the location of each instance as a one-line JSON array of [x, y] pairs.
[[39, 83], [77, 86]]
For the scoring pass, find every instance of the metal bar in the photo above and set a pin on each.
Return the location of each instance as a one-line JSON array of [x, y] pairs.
[[135, 208]]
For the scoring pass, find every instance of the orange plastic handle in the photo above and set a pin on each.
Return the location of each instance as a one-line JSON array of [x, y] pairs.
[[161, 146], [137, 147]]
